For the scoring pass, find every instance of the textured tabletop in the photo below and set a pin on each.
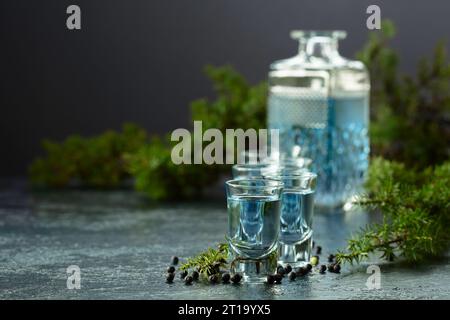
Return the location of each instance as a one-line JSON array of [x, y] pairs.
[[123, 245]]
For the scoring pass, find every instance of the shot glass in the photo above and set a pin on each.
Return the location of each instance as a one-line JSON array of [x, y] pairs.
[[253, 226], [296, 217]]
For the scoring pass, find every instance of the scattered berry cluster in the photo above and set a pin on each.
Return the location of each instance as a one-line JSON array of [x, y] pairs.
[[289, 272], [333, 266], [276, 278], [194, 275]]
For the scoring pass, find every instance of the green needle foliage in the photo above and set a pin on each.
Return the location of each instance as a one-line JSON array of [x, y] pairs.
[[416, 213], [410, 114], [90, 162], [208, 262], [411, 125], [211, 261]]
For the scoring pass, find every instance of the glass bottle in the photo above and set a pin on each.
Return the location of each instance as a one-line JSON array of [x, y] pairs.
[[319, 101]]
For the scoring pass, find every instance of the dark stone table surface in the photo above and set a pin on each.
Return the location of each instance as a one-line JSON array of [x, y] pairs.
[[123, 244]]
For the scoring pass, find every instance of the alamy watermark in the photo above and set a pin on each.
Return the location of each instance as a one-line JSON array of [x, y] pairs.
[[73, 21], [74, 277], [374, 280], [374, 20], [191, 148]]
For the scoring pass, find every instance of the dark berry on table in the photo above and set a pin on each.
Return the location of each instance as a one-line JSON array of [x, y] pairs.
[[174, 260], [169, 277], [213, 278], [302, 271], [323, 268], [270, 279], [337, 268], [278, 278], [281, 271], [330, 267], [195, 275], [188, 280], [226, 278], [171, 269], [331, 258], [288, 268], [216, 265], [183, 274], [236, 278], [308, 267], [292, 275], [319, 250]]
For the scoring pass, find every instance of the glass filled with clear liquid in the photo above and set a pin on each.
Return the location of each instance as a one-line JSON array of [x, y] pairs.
[[296, 216], [253, 226]]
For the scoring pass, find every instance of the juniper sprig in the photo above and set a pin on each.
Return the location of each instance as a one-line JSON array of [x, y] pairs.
[[416, 213], [209, 261]]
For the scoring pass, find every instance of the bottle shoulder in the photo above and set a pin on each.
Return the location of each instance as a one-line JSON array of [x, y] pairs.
[[338, 75]]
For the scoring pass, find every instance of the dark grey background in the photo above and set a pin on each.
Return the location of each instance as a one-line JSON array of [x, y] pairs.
[[141, 60]]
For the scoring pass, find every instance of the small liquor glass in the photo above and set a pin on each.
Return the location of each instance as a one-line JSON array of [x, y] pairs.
[[253, 226], [296, 217]]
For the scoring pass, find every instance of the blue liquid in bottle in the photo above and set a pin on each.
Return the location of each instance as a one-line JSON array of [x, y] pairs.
[[331, 131]]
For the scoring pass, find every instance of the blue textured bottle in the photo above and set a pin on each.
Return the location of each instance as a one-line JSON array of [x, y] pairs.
[[320, 103]]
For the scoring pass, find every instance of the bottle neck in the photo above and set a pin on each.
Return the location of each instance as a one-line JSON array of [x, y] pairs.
[[319, 47]]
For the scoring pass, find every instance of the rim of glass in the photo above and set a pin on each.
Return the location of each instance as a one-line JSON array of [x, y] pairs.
[[268, 183], [285, 170], [293, 175]]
